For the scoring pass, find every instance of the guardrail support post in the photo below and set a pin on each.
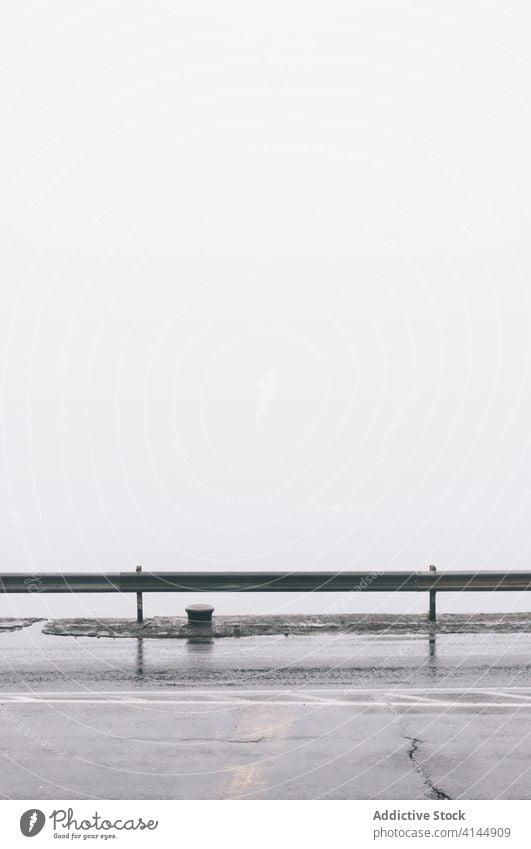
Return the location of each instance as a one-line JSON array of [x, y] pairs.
[[139, 602], [433, 602]]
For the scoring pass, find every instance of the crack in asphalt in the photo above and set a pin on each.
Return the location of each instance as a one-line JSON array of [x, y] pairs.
[[251, 740], [434, 792]]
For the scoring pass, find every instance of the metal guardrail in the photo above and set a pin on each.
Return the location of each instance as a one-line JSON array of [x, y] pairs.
[[301, 582]]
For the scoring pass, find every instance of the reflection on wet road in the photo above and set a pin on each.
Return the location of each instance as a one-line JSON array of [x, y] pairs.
[[30, 659]]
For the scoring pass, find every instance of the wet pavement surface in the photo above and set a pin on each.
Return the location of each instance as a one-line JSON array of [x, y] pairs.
[[348, 715]]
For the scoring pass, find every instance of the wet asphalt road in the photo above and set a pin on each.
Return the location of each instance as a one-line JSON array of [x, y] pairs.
[[349, 716]]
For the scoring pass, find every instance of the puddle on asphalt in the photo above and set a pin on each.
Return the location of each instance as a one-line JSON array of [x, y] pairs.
[[32, 660]]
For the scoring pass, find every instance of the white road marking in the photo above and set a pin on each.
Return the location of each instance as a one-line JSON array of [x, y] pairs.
[[385, 699], [139, 693], [229, 703], [513, 695], [515, 698]]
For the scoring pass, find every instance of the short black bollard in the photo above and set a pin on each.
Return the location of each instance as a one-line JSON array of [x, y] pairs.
[[433, 603], [199, 614]]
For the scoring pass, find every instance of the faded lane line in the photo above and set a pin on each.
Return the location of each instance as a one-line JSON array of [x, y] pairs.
[[28, 700], [258, 723], [293, 691], [244, 779], [512, 695]]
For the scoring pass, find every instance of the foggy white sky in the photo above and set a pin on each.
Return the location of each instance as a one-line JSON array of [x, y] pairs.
[[265, 292]]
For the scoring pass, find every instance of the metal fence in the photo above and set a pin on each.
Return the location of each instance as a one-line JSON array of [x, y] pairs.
[[140, 582]]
